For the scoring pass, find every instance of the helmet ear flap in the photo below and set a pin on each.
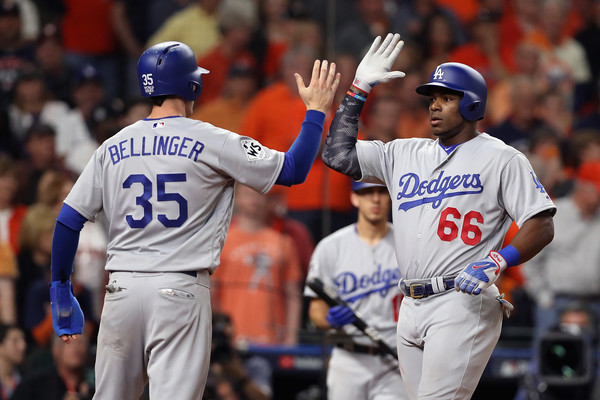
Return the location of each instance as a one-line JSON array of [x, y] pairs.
[[196, 87]]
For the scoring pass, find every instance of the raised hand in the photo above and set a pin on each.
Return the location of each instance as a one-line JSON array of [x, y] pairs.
[[376, 64], [321, 90]]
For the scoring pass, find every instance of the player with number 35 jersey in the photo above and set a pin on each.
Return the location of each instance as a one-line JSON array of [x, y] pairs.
[[165, 185]]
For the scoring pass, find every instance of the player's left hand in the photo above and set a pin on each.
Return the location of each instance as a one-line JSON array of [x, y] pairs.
[[339, 316], [322, 87], [67, 316], [376, 64], [481, 274]]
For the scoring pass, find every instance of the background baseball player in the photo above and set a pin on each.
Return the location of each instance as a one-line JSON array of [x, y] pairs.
[[165, 184], [359, 261], [453, 199]]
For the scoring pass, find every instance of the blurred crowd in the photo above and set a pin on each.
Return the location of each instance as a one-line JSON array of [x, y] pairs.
[[68, 82]]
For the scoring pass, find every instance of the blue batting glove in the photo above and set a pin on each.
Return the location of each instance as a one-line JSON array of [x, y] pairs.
[[480, 275], [339, 316], [67, 317]]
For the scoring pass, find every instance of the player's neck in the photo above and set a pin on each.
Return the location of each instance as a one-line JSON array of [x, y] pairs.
[[170, 108], [464, 135], [371, 232]]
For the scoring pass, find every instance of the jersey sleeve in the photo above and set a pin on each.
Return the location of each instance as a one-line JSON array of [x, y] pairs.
[[250, 163], [86, 195], [372, 158], [522, 194], [321, 263]]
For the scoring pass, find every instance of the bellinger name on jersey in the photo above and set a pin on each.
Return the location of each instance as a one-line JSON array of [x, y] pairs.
[[155, 146], [440, 187]]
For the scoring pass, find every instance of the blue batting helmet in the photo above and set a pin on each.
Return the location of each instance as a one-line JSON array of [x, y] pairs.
[[356, 186], [464, 79], [170, 68]]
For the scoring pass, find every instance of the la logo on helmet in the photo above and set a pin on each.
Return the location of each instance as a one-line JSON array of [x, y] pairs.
[[439, 74]]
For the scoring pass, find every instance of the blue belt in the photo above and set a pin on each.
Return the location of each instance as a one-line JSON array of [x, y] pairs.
[[421, 288]]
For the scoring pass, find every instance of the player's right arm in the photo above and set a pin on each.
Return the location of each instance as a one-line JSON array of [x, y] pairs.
[[339, 151], [317, 312], [317, 97]]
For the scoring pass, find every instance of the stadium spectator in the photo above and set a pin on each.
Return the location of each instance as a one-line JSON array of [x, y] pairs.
[[549, 276], [89, 39], [229, 109], [16, 55], [49, 57], [323, 191], [195, 25], [11, 217], [258, 281], [67, 379], [556, 43], [237, 22], [484, 51], [131, 22], [12, 356]]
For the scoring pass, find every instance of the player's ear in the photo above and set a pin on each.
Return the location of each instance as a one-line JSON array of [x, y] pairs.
[[354, 199]]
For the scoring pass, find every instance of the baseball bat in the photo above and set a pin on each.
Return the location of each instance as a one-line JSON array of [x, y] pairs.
[[330, 296]]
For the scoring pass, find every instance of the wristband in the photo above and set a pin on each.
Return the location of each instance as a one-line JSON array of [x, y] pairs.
[[356, 95], [511, 255]]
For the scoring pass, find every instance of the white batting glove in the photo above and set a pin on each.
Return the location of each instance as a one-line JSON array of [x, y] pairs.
[[480, 275], [376, 64]]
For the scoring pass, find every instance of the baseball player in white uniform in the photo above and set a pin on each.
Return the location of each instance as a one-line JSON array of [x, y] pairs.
[[165, 184], [453, 200], [359, 261]]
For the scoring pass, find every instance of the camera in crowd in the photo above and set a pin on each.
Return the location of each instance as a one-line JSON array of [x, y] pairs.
[[568, 357]]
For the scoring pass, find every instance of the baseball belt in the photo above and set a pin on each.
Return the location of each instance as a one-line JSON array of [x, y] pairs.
[[190, 273], [422, 288], [359, 348]]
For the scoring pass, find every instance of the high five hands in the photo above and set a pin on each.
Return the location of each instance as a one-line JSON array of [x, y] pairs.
[[376, 64], [322, 87]]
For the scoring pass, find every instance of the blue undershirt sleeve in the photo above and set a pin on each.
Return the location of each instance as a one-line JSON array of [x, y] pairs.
[[302, 153], [64, 242]]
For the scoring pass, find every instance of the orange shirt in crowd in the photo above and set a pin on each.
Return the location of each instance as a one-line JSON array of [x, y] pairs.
[[473, 56], [222, 112], [87, 27], [250, 283], [218, 63], [274, 119], [465, 10], [414, 125]]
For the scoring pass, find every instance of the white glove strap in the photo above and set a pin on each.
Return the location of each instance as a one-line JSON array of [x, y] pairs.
[[362, 85], [499, 260]]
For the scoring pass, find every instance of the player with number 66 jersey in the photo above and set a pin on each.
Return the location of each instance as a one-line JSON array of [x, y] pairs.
[[453, 200]]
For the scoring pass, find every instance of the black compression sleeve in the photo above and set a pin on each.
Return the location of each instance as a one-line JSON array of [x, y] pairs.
[[339, 151]]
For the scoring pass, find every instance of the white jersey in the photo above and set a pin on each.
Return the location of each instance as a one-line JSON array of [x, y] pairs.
[[451, 210], [166, 187], [365, 276]]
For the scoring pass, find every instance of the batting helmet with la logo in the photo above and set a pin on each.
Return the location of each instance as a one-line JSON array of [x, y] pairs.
[[462, 79]]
